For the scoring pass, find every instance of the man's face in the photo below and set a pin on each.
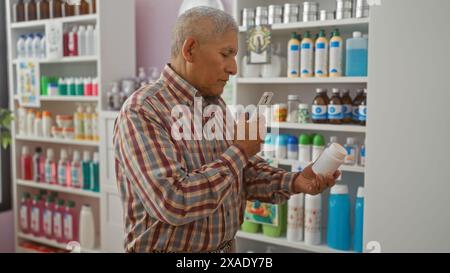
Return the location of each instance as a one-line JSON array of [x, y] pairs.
[[213, 63]]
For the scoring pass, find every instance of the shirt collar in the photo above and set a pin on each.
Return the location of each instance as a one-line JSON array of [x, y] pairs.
[[185, 91]]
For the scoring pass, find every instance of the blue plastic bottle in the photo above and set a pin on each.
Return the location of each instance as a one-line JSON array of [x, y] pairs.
[[359, 219], [292, 148], [338, 233], [356, 60]]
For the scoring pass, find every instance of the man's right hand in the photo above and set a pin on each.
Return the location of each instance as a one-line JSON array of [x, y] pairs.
[[251, 141]]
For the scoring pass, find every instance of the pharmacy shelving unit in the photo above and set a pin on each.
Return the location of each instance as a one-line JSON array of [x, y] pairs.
[[115, 60], [248, 91]]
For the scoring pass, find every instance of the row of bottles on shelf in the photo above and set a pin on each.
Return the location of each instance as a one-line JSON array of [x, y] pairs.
[[31, 46], [307, 148], [80, 41], [83, 125], [30, 10], [339, 109], [315, 58], [120, 91], [38, 248], [48, 216], [290, 13], [69, 86], [301, 219], [78, 174]]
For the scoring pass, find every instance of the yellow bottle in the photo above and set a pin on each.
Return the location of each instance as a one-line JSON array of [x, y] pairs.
[[321, 56], [293, 56], [307, 56], [79, 123], [336, 55]]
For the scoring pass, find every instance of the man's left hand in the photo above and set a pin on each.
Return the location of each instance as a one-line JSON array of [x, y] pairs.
[[310, 183]]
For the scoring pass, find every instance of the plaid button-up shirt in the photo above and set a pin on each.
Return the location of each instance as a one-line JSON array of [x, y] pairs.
[[183, 195]]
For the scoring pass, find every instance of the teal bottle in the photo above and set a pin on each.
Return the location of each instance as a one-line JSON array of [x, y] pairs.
[[95, 175], [86, 166]]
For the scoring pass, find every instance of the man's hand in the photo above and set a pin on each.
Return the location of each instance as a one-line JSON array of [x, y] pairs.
[[251, 141], [310, 183]]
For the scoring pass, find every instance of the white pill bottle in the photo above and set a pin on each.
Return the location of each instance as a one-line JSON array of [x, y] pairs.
[[330, 160]]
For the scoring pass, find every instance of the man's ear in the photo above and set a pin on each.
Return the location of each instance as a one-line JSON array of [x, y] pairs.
[[188, 50]]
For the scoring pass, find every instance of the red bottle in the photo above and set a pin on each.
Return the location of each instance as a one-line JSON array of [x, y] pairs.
[[66, 43], [73, 42], [70, 223], [26, 164], [36, 217], [48, 217], [25, 213], [58, 214]]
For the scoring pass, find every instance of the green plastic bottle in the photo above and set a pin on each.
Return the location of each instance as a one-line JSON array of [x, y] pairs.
[[280, 229]]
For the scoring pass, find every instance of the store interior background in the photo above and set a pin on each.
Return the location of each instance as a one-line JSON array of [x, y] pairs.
[[154, 22]]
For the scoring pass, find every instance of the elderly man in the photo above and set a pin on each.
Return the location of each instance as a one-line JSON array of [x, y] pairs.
[[183, 195]]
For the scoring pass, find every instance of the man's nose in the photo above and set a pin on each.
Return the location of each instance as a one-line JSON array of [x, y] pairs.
[[232, 67]]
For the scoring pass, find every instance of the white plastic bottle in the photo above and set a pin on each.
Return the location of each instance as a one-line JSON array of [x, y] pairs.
[[43, 47], [330, 160], [29, 46], [21, 47], [295, 218], [321, 56], [293, 56], [87, 228], [313, 219], [46, 124], [336, 55], [87, 121], [37, 46], [62, 168], [306, 56], [38, 127], [81, 41], [30, 122], [90, 40], [274, 69]]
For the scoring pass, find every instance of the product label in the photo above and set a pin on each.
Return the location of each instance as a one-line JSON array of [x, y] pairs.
[[294, 47], [262, 213], [306, 60], [363, 156], [362, 113], [296, 217], [319, 112], [76, 177], [321, 68], [48, 173], [336, 58], [350, 158], [48, 222], [313, 221], [24, 217], [62, 175], [293, 60], [57, 225], [347, 110], [68, 227], [35, 219], [355, 113], [335, 112]]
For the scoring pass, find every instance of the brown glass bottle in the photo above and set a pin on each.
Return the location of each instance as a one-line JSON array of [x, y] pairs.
[[94, 6], [319, 107], [84, 7], [57, 6], [44, 9], [32, 10], [335, 114], [347, 107], [362, 110], [69, 9], [20, 11], [356, 102]]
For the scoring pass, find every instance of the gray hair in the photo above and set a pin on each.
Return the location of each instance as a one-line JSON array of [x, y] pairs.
[[191, 24]]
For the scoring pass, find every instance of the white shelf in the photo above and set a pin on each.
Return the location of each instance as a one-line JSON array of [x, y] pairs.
[[284, 242], [58, 141], [319, 127], [58, 188], [51, 243], [345, 168], [311, 80], [345, 25], [66, 98], [76, 59], [90, 18]]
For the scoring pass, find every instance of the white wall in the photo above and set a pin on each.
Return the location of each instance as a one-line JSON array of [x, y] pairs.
[[407, 178]]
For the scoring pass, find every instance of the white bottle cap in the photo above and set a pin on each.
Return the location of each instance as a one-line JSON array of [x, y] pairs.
[[337, 151], [351, 140], [63, 154], [96, 157], [86, 156], [360, 193], [25, 150], [339, 189], [50, 153], [357, 34], [76, 155]]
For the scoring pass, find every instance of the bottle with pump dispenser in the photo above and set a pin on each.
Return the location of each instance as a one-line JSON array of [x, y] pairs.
[[307, 56], [321, 55]]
